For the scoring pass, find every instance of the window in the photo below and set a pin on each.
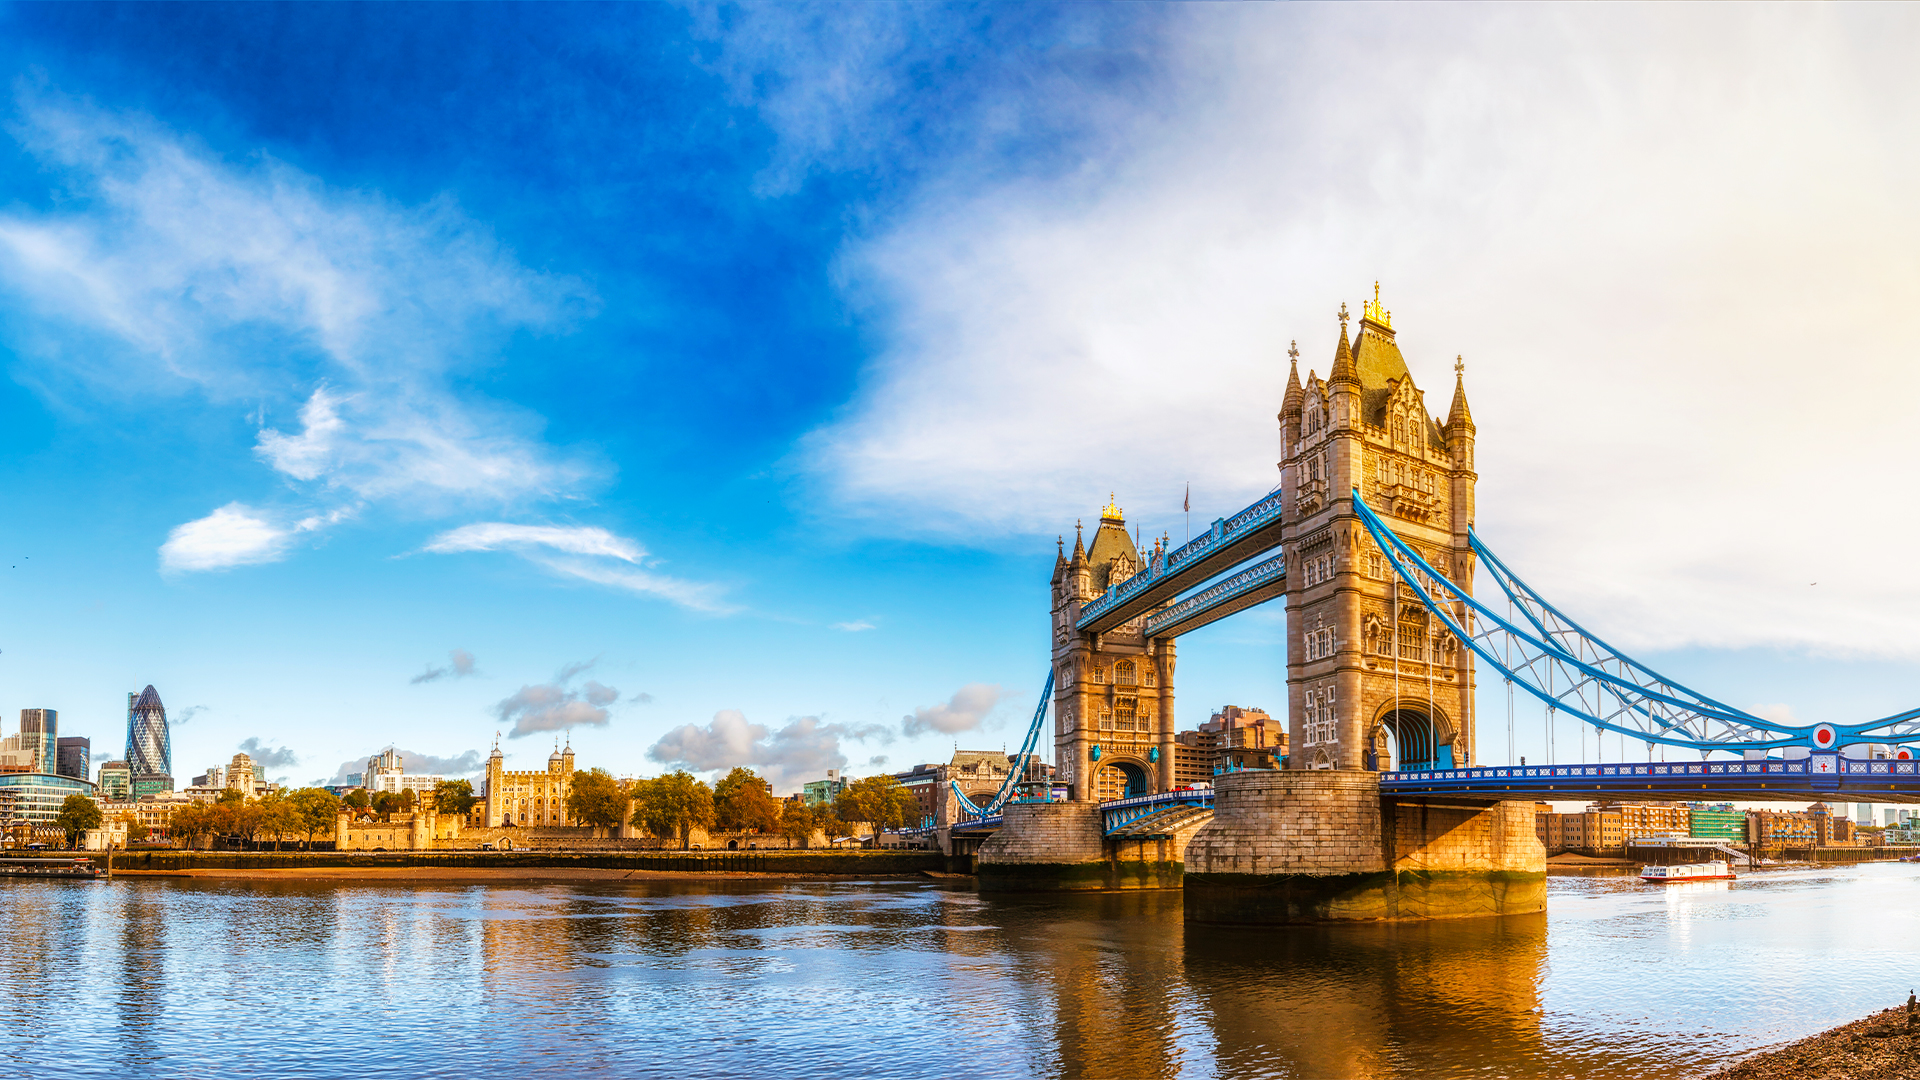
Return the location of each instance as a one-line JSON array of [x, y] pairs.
[[1123, 673], [1099, 674], [1376, 565], [1123, 714]]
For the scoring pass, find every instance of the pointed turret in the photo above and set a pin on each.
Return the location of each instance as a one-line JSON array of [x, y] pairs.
[[1059, 559], [1458, 414], [1343, 369], [1290, 405], [1079, 548]]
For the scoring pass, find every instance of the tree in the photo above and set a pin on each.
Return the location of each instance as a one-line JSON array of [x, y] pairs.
[[77, 815], [278, 817], [454, 797], [742, 802], [797, 821], [315, 809], [189, 823], [233, 796], [357, 800], [674, 805], [136, 831], [388, 803], [880, 801], [597, 799]]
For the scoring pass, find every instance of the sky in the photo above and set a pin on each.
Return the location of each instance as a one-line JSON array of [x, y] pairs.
[[708, 385]]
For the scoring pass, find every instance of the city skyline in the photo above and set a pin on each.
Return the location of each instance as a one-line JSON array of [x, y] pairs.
[[728, 413]]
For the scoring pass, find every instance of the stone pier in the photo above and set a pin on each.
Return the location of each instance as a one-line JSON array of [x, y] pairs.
[[1060, 846], [1294, 846]]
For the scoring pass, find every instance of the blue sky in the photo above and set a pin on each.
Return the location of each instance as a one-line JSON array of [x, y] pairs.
[[714, 380]]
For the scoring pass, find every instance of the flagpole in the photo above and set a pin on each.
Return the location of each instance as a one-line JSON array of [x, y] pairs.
[[1186, 507]]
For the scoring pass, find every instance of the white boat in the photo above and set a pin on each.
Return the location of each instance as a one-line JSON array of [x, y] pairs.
[[1717, 870]]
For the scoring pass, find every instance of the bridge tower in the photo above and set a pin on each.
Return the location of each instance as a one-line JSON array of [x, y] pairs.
[[1372, 681], [1113, 691]]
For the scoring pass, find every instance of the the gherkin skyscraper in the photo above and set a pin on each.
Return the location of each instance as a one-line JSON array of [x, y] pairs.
[[149, 745]]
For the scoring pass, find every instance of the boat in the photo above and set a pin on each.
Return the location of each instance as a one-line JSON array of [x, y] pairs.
[[69, 867], [1717, 870]]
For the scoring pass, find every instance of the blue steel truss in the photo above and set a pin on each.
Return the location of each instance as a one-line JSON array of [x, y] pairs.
[[1015, 775], [1223, 531], [1224, 592], [1816, 776], [1552, 658]]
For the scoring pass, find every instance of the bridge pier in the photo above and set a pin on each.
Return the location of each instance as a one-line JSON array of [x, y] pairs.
[[1297, 846], [1050, 847]]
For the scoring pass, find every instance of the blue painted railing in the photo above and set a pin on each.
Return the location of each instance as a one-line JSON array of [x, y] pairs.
[[1819, 772], [1223, 531], [1121, 811], [1224, 592]]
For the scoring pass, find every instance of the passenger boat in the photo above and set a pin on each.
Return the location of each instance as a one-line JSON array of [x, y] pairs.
[[82, 868], [1717, 870]]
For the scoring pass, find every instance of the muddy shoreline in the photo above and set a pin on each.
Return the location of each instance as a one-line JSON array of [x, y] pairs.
[[1877, 1047], [485, 875]]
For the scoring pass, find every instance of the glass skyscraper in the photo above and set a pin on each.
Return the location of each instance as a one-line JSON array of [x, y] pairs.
[[149, 746], [39, 730]]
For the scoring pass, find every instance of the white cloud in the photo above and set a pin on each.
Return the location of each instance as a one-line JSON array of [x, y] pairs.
[[460, 665], [233, 535], [963, 712], [1674, 246], [243, 278], [801, 750], [854, 627], [556, 705], [585, 553]]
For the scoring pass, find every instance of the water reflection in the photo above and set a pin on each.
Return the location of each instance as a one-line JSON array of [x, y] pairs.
[[698, 979]]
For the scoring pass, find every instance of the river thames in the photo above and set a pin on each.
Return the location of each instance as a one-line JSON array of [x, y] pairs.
[[170, 977]]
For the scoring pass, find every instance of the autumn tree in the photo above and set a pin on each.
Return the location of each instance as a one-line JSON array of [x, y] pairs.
[[742, 802], [358, 801], [673, 805], [797, 821], [77, 814], [314, 810], [597, 799], [454, 797], [879, 801]]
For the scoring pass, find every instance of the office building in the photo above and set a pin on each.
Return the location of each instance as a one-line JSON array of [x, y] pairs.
[[72, 757], [39, 730], [149, 744], [115, 780], [387, 772]]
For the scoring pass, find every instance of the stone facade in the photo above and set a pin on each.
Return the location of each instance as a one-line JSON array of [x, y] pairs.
[[531, 797], [1372, 679], [1112, 692]]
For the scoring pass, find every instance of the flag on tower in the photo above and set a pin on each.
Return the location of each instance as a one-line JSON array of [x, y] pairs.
[[1186, 504]]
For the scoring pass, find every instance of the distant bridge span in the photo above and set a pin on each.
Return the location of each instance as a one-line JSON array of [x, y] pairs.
[[1817, 777]]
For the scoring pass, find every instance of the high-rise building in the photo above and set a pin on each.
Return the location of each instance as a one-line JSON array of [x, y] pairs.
[[72, 757], [39, 731], [116, 780], [149, 745]]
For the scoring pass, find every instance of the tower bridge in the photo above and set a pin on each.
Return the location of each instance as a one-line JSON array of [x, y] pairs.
[[1383, 809]]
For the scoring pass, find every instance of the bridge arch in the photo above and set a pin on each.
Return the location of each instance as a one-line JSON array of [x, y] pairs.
[[1129, 776], [1410, 734]]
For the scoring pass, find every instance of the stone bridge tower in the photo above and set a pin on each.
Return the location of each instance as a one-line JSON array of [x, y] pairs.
[[1112, 692], [1372, 681]]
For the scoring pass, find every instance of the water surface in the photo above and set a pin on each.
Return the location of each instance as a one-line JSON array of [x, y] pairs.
[[173, 977]]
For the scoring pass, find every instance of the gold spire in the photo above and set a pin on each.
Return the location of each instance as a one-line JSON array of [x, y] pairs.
[[1371, 311], [1343, 370], [1459, 414], [1111, 511]]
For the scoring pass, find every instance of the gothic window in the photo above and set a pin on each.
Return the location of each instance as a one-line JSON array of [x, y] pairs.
[[1106, 719], [1123, 714], [1376, 565], [1123, 673], [1099, 674], [1153, 677]]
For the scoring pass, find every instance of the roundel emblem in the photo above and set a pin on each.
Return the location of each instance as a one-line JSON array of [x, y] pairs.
[[1824, 736], [1904, 754]]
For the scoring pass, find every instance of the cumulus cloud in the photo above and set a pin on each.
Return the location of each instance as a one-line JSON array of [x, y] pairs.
[[456, 766], [963, 712], [556, 705], [802, 750], [459, 666], [585, 553], [243, 277], [266, 758], [642, 698]]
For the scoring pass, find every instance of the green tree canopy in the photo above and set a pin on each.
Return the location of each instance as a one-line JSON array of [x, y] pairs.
[[597, 799], [77, 814], [232, 797], [673, 805], [454, 797], [742, 802], [879, 801], [358, 800], [190, 823], [315, 810]]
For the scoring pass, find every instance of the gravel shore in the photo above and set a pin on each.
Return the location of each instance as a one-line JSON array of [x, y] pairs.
[[1876, 1048]]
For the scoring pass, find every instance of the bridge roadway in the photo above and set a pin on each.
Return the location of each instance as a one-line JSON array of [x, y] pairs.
[[1230, 542], [1818, 777]]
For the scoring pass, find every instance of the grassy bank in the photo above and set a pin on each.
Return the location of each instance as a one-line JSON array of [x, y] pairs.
[[482, 864]]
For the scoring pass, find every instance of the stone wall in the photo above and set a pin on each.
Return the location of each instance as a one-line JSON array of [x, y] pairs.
[[1287, 847]]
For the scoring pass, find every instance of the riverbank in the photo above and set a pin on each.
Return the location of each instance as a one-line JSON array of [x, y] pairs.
[[505, 867], [1875, 1048]]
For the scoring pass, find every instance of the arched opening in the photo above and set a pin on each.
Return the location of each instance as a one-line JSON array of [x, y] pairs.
[[1412, 738], [733, 845], [1123, 780]]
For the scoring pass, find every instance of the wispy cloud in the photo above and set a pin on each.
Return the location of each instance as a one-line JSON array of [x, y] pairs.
[[854, 627], [963, 712], [584, 553], [268, 757], [243, 277], [459, 665], [557, 705], [801, 750]]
